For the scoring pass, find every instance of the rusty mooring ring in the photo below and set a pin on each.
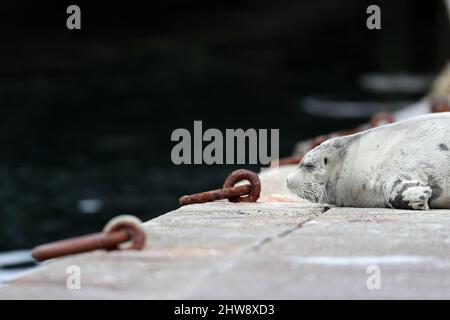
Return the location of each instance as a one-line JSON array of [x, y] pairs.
[[240, 175], [229, 191], [119, 230], [132, 226]]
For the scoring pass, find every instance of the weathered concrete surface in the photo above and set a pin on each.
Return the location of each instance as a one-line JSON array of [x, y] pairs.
[[328, 258], [263, 251], [187, 246]]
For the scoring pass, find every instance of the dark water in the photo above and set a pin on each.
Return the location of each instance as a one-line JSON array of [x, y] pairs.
[[89, 114]]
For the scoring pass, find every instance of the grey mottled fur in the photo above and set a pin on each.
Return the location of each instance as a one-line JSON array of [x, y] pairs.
[[403, 165]]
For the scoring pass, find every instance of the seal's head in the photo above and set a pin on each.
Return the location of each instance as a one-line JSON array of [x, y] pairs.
[[315, 177]]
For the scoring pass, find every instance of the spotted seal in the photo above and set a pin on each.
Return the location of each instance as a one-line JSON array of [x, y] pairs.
[[404, 165]]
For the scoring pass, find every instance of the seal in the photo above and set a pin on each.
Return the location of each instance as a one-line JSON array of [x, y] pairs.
[[403, 165]]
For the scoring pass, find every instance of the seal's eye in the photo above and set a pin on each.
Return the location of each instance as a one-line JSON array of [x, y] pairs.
[[308, 166], [325, 160]]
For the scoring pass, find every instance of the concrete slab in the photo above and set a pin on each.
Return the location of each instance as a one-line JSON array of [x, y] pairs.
[[329, 258], [185, 247], [264, 251]]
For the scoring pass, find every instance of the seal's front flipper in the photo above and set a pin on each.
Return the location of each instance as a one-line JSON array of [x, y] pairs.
[[409, 194]]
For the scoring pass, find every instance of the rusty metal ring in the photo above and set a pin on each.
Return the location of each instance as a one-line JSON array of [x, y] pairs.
[[240, 175], [132, 226], [119, 230]]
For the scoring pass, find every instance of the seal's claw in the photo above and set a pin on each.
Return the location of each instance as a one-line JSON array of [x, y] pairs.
[[417, 197], [410, 194]]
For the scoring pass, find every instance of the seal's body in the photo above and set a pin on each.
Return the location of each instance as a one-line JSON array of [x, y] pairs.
[[404, 165]]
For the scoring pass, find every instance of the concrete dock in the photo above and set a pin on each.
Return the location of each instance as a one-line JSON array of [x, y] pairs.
[[280, 250]]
